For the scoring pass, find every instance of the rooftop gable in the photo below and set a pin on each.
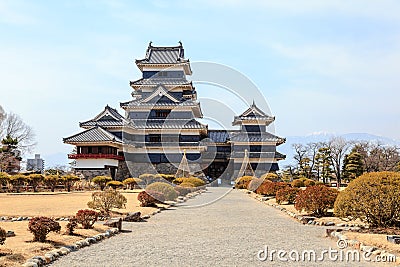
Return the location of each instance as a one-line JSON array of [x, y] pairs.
[[93, 135]]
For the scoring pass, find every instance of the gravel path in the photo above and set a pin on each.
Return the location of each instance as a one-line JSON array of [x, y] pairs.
[[228, 232]]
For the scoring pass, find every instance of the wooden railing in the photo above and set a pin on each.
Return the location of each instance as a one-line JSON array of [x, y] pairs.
[[95, 156]]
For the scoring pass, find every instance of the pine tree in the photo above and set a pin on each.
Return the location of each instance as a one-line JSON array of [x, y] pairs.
[[353, 166]]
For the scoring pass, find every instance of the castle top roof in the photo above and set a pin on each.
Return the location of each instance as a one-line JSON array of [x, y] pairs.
[[164, 55]]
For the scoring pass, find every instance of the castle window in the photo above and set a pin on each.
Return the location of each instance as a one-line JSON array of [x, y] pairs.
[[162, 113]]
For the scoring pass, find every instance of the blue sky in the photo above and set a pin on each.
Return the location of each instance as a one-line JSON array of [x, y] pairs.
[[322, 65]]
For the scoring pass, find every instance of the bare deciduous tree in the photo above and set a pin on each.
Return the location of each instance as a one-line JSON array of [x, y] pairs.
[[338, 147], [12, 125]]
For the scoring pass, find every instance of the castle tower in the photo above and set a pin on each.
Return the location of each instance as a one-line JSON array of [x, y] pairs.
[[163, 113]]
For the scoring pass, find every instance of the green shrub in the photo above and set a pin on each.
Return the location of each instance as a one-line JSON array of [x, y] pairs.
[[303, 182], [182, 190], [147, 178], [115, 184], [167, 189], [287, 194], [243, 182], [41, 226], [107, 200], [18, 180], [373, 198], [35, 180], [316, 199], [87, 218], [101, 181], [52, 180], [132, 182], [270, 176], [269, 188], [3, 236], [197, 182], [150, 198], [168, 177], [186, 184], [68, 181]]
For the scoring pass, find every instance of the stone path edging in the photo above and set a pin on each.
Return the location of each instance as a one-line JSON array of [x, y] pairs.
[[54, 254]]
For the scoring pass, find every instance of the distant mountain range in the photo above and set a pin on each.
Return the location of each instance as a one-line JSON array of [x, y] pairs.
[[323, 136], [61, 158]]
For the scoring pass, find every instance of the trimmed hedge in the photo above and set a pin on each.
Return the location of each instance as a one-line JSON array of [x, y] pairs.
[[167, 189], [373, 198], [115, 184], [316, 199], [303, 182], [243, 182], [197, 182], [101, 181]]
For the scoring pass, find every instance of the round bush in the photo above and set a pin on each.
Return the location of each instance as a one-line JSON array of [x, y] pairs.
[[186, 184], [167, 189], [101, 181], [316, 199], [269, 188], [150, 198], [182, 190], [115, 184], [309, 182], [41, 226], [287, 194], [132, 182], [243, 182], [197, 182], [297, 183], [87, 218], [270, 176], [373, 198]]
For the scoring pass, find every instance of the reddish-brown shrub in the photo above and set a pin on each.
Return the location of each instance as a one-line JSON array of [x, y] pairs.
[[287, 194], [3, 236], [316, 199], [41, 226], [269, 188], [150, 198], [87, 218], [71, 225]]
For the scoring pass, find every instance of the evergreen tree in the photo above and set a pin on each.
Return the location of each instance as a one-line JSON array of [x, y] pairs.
[[353, 166]]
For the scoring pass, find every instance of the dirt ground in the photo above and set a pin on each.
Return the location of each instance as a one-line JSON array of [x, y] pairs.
[[19, 248], [58, 204]]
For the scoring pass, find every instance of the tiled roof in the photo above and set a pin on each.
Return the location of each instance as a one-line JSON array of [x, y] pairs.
[[164, 55], [103, 123], [139, 102], [109, 117], [168, 124], [256, 137], [164, 81], [95, 134], [218, 136]]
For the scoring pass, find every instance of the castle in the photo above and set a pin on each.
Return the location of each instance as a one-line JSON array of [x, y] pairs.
[[160, 126]]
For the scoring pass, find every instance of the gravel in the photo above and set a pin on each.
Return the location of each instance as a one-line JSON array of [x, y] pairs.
[[227, 232]]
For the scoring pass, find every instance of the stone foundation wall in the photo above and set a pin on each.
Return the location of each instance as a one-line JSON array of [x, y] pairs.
[[122, 171], [136, 169], [90, 174]]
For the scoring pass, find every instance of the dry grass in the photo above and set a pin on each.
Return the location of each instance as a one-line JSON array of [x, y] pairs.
[[58, 204], [21, 247]]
